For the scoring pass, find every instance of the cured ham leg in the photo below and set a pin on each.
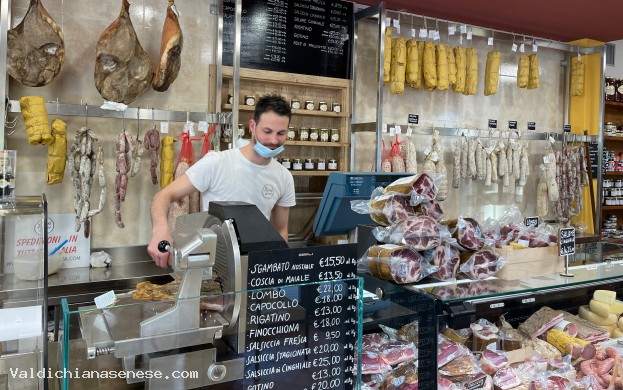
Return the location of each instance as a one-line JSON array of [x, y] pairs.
[[123, 70], [36, 49], [170, 60]]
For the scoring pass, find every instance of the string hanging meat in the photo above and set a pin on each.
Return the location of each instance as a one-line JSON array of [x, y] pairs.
[[85, 157], [151, 140], [125, 147]]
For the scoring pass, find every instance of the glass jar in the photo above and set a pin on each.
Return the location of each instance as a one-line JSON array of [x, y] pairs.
[[332, 165], [230, 99], [324, 135], [240, 130], [291, 134], [249, 100], [335, 135], [304, 134], [609, 129], [336, 107], [286, 163], [309, 164], [618, 90], [314, 134], [297, 165], [321, 165], [609, 89], [309, 105], [295, 104], [323, 106]]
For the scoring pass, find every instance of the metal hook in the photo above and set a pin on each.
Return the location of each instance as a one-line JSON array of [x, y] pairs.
[[86, 115], [138, 122], [123, 120], [153, 117], [187, 115]]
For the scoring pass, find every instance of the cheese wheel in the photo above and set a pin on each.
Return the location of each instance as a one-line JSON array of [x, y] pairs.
[[605, 296], [617, 333], [616, 308], [620, 323], [587, 314], [599, 308]]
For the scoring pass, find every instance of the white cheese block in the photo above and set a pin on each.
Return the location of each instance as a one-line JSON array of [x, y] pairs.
[[617, 333], [605, 296], [616, 308], [599, 308], [587, 314]]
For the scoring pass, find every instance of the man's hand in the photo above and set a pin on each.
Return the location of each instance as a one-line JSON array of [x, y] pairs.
[[162, 260]]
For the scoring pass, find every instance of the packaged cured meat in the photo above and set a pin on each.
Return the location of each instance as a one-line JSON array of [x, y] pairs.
[[408, 332], [390, 209], [448, 350], [374, 341], [404, 377], [458, 335], [420, 187], [418, 232], [491, 361], [371, 381], [540, 322], [510, 339], [446, 258], [484, 334], [459, 366], [373, 363], [432, 209], [478, 381], [396, 263], [506, 378], [481, 264], [445, 384], [467, 232], [396, 352]]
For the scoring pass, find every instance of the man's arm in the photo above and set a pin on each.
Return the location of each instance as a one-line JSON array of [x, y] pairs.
[[279, 220], [175, 191]]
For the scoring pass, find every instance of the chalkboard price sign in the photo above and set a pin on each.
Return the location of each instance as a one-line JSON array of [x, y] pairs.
[[531, 125], [566, 241], [302, 318], [310, 37], [531, 221], [512, 125], [414, 119], [493, 123]]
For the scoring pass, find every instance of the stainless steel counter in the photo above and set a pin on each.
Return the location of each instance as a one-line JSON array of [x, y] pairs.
[[130, 266]]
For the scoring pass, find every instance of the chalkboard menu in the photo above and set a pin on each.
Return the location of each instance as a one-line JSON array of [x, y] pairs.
[[303, 336], [310, 37], [593, 154], [566, 241]]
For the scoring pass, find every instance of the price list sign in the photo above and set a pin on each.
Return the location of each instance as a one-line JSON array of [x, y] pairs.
[[302, 319], [284, 35]]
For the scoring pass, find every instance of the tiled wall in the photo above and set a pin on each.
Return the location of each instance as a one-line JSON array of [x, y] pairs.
[[82, 22]]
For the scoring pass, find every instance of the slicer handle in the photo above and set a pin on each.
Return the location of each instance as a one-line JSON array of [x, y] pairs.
[[164, 246]]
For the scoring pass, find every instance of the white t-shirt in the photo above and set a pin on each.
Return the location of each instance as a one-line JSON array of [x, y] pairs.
[[228, 175]]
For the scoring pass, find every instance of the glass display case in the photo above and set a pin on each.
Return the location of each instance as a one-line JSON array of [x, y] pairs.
[[303, 336], [23, 301], [456, 304]]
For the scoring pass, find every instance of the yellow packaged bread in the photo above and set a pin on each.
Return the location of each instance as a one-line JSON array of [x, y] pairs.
[[492, 73], [57, 153], [412, 72], [398, 66], [577, 77], [460, 60], [451, 65], [523, 71], [471, 74], [533, 78], [167, 163], [430, 66], [442, 67], [35, 120], [387, 54]]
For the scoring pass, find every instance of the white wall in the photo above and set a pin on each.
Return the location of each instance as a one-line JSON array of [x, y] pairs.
[[616, 70]]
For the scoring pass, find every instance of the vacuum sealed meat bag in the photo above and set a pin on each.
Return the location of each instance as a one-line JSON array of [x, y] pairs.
[[396, 263], [481, 264]]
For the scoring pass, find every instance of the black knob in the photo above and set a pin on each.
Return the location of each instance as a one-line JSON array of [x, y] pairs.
[[163, 246]]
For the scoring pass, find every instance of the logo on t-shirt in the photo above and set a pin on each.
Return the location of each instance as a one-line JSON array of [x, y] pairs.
[[267, 191]]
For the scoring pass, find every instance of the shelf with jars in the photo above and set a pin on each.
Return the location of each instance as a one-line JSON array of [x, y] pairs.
[[318, 140]]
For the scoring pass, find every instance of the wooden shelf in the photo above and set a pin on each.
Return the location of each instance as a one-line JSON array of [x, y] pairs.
[[611, 138], [312, 143], [312, 173], [612, 208], [614, 104], [613, 174], [324, 114]]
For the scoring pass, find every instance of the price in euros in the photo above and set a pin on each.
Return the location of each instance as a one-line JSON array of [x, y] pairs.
[[329, 298], [332, 261], [326, 322], [326, 384], [330, 287], [330, 275], [327, 311], [326, 348]]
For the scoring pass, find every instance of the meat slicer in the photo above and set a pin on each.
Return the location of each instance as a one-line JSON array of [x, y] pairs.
[[174, 335]]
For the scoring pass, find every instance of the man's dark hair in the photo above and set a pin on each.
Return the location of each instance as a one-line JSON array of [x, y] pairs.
[[274, 103]]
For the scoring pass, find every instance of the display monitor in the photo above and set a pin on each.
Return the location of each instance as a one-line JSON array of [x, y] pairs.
[[334, 214]]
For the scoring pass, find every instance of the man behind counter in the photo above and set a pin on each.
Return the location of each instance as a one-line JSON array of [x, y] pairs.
[[249, 174]]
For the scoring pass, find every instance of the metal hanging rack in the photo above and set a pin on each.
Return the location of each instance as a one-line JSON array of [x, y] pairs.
[[65, 109]]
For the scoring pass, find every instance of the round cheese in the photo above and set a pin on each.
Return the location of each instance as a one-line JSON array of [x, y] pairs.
[[586, 313]]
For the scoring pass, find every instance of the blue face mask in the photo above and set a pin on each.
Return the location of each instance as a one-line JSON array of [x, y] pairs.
[[265, 151]]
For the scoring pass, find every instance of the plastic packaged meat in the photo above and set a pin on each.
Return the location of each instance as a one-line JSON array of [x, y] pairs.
[[396, 263], [446, 258], [374, 363], [467, 232], [373, 341], [404, 377], [506, 378], [418, 232], [396, 352], [484, 334], [492, 361], [481, 264], [420, 188]]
